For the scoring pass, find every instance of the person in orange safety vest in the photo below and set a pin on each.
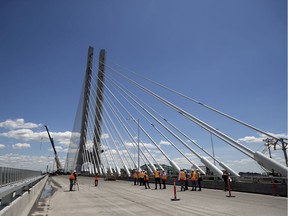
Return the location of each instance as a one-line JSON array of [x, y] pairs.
[[157, 178], [96, 179], [182, 178], [135, 176], [71, 179], [146, 180], [194, 179], [164, 178]]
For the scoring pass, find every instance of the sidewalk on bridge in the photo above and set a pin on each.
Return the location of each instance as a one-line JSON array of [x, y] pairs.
[[123, 198]]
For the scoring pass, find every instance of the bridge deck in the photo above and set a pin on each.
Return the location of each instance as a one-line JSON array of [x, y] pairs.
[[123, 198]]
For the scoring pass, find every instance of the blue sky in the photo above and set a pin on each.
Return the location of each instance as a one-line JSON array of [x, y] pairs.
[[231, 55]]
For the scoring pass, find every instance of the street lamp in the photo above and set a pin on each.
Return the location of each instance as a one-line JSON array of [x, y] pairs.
[[213, 148], [138, 145], [138, 140]]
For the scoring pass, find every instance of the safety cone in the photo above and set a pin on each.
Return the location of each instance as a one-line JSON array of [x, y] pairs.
[[175, 195]]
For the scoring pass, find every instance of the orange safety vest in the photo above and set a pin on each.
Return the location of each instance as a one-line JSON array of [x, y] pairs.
[[142, 175], [182, 175], [146, 178], [72, 177], [97, 178], [194, 176], [135, 175], [164, 177], [157, 174]]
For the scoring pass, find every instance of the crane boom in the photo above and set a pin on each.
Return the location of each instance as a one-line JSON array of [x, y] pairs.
[[58, 164]]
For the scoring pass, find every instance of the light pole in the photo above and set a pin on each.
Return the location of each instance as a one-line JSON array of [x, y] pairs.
[[138, 146], [213, 148]]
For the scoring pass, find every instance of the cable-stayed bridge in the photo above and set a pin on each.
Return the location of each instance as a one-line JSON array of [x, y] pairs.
[[126, 121]]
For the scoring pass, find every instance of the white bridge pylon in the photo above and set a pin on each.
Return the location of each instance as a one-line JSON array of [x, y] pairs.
[[128, 105]]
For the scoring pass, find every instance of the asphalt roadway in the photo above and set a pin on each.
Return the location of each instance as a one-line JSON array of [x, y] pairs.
[[123, 198]]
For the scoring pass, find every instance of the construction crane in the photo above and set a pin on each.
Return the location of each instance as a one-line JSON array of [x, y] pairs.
[[58, 164]]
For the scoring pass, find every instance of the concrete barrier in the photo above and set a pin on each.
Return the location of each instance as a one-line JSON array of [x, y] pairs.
[[259, 187], [24, 203]]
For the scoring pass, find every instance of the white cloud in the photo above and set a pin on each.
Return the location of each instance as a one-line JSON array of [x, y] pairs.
[[18, 123], [59, 149], [261, 138], [21, 146], [2, 146], [30, 162], [150, 146], [163, 142], [63, 138], [251, 139], [129, 144], [105, 136]]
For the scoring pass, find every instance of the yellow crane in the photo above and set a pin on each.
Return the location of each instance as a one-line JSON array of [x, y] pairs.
[[58, 164]]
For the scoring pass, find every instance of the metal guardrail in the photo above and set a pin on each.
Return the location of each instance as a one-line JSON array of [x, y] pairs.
[[11, 175], [10, 192]]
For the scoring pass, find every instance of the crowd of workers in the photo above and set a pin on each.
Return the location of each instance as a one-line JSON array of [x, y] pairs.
[[160, 177]]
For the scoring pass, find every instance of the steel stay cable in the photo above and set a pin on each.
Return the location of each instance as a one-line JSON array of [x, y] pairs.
[[194, 164], [202, 124], [143, 145], [129, 134], [164, 154], [116, 143], [113, 159], [181, 132], [113, 139], [120, 138], [202, 104]]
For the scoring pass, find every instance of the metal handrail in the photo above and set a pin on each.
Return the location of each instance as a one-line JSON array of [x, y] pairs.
[[11, 175]]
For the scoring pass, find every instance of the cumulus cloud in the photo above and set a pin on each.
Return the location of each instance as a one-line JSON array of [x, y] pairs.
[[2, 146], [63, 138], [18, 123], [163, 142], [105, 136], [59, 149], [251, 139], [149, 146], [21, 146], [260, 138], [30, 162]]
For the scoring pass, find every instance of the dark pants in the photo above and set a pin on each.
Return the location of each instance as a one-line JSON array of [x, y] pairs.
[[164, 184], [182, 184], [146, 184], [199, 184], [71, 184], [186, 184], [96, 183], [135, 181], [141, 181], [226, 185], [157, 180]]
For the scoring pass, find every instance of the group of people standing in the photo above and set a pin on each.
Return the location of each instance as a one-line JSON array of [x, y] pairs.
[[142, 178], [195, 177]]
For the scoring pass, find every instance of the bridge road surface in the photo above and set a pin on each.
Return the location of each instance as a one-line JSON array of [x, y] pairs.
[[123, 198]]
